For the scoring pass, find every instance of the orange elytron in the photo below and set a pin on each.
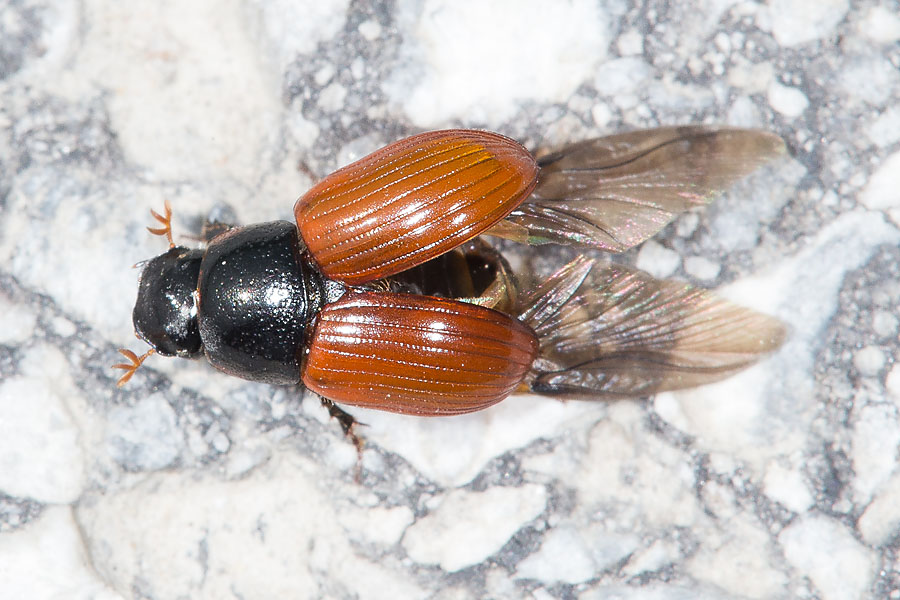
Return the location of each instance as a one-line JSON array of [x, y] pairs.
[[412, 201]]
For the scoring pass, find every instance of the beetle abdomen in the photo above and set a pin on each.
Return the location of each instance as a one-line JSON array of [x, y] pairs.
[[416, 354], [412, 201]]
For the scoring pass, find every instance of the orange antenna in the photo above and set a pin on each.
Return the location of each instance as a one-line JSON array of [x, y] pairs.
[[166, 220], [130, 369]]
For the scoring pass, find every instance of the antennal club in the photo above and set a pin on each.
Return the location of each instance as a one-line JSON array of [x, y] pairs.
[[130, 369], [166, 220]]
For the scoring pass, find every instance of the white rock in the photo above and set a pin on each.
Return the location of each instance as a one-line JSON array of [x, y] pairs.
[[377, 525], [668, 407], [789, 101], [332, 97], [881, 518], [763, 412], [796, 22], [206, 53], [788, 487], [753, 78], [719, 500], [38, 251], [474, 438], [659, 554], [370, 29], [740, 560], [601, 114], [62, 326], [880, 24], [193, 535], [844, 572], [686, 224], [324, 75], [40, 453], [868, 81], [46, 560], [16, 322], [571, 554], [876, 435], [498, 584], [144, 436], [630, 42], [884, 130], [245, 458], [299, 25], [465, 66], [885, 324], [892, 384], [883, 188], [622, 77], [869, 360], [649, 483], [701, 267], [654, 591], [729, 415], [657, 260], [467, 527], [563, 557]]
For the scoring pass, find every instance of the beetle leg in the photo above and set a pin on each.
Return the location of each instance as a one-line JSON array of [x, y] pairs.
[[166, 221], [213, 228], [347, 422], [307, 170], [130, 369], [500, 293], [210, 230]]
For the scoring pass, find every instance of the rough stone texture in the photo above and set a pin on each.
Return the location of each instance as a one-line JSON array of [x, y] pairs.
[[779, 483]]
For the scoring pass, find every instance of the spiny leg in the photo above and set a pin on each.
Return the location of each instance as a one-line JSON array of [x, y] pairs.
[[130, 369], [347, 422], [307, 170], [213, 228], [166, 221]]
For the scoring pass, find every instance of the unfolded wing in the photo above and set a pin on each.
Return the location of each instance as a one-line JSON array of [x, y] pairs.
[[619, 332], [614, 192]]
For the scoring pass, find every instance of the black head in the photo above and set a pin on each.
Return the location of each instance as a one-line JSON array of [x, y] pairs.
[[165, 314]]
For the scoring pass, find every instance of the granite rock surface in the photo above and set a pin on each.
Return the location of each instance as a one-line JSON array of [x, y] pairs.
[[781, 482]]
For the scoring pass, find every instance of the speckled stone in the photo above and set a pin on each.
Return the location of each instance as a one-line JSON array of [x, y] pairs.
[[781, 482]]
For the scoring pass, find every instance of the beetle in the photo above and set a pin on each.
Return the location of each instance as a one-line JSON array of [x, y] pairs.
[[383, 294]]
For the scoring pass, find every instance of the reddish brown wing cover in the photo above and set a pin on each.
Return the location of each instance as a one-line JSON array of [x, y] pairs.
[[417, 355], [412, 201]]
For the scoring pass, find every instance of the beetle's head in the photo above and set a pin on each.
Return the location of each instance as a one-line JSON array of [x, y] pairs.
[[165, 314]]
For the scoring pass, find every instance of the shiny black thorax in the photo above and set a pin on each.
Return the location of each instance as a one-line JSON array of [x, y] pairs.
[[247, 302], [258, 294]]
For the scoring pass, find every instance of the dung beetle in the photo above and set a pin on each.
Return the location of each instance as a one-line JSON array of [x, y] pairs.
[[382, 294]]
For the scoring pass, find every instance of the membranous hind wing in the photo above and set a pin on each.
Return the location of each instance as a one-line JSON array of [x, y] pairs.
[[614, 192], [618, 332]]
